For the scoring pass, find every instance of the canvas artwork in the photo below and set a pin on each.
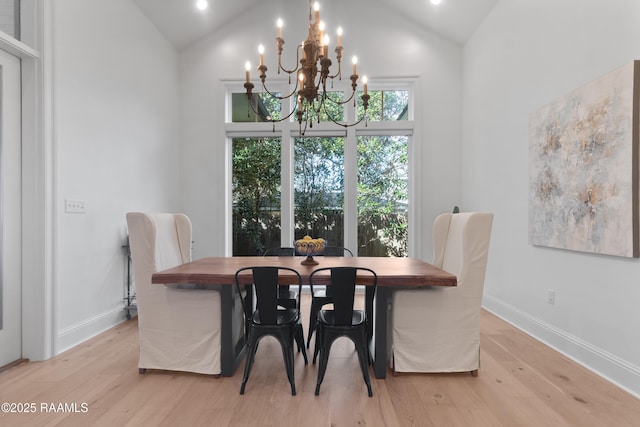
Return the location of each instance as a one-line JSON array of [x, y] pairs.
[[584, 168]]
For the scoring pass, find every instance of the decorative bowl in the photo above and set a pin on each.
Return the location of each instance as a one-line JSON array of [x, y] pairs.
[[309, 247]]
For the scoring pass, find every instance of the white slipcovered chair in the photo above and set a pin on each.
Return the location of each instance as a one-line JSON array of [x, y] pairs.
[[437, 329], [178, 327]]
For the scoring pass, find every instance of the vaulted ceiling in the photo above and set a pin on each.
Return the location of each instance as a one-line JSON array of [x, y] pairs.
[[182, 24]]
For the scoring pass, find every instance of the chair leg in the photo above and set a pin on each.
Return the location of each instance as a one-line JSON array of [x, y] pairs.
[[287, 355], [322, 369], [290, 372], [364, 365], [297, 338], [300, 342], [325, 349], [318, 344], [251, 352], [474, 373], [313, 319]]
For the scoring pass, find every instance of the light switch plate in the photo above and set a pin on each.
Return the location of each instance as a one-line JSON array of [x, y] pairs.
[[74, 206]]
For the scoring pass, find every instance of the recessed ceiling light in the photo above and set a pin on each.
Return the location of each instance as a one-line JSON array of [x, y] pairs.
[[436, 2], [203, 4]]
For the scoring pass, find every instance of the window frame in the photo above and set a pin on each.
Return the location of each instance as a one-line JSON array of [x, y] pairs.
[[288, 130]]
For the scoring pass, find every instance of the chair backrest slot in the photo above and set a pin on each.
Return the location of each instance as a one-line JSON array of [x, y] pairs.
[[265, 280], [343, 286]]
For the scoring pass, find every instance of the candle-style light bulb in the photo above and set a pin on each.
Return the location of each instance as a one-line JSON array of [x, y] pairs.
[[354, 60], [340, 36], [325, 45], [364, 82], [279, 24], [320, 34], [247, 67], [316, 9], [261, 52]]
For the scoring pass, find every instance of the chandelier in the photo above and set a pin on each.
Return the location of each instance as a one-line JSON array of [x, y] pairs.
[[311, 76]]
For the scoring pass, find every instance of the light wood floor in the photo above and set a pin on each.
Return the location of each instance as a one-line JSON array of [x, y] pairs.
[[521, 383]]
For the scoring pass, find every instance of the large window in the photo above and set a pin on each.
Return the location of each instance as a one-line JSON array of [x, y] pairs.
[[383, 196], [256, 195], [349, 186], [319, 188]]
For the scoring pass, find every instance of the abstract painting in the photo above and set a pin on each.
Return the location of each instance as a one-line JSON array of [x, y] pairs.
[[583, 177]]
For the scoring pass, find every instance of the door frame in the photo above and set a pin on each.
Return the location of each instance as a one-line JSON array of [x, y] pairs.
[[11, 209], [38, 152]]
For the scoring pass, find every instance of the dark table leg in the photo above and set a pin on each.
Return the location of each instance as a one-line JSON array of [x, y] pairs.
[[377, 314], [231, 352]]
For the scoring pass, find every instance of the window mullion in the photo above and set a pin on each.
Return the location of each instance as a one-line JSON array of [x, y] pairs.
[[286, 188], [351, 191]]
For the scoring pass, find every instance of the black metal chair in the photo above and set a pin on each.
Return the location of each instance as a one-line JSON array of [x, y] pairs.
[[284, 251], [268, 319], [321, 297], [286, 296], [343, 320], [336, 251]]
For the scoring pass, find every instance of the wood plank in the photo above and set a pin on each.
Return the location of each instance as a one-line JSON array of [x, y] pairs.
[[394, 272]]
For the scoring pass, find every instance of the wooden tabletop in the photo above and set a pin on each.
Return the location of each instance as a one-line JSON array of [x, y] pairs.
[[392, 272]]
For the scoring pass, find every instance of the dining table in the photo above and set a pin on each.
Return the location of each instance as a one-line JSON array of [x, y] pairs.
[[392, 273]]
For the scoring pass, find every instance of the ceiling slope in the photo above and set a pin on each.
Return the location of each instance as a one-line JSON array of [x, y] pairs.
[[182, 24]]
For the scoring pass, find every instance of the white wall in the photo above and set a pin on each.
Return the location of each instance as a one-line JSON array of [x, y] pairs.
[[525, 55], [386, 45], [116, 148]]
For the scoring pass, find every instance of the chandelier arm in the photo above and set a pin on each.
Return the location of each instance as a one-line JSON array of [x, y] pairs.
[[281, 67], [273, 95], [293, 110], [264, 118], [345, 125], [346, 101], [338, 74]]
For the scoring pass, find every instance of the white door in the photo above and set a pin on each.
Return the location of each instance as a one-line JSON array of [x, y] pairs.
[[10, 210]]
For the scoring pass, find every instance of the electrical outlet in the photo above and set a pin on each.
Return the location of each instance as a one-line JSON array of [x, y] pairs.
[[551, 296], [74, 206]]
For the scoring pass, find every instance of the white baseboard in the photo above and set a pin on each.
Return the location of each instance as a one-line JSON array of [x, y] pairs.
[[612, 368], [89, 328]]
